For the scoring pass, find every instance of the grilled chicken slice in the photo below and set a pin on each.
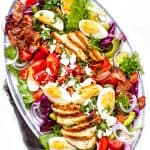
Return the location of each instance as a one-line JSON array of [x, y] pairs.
[[82, 144], [83, 125], [70, 120], [84, 134], [82, 38], [68, 107], [65, 111], [66, 42], [95, 55], [75, 40]]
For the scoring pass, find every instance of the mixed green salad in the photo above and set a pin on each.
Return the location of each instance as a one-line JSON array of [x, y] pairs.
[[76, 76]]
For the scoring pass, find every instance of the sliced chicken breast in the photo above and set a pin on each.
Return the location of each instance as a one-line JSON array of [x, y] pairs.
[[82, 144], [62, 112], [74, 39], [66, 42], [83, 125], [70, 120], [84, 134]]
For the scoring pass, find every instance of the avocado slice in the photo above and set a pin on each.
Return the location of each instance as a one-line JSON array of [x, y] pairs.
[[115, 46]]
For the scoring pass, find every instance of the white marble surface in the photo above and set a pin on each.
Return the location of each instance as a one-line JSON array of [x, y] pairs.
[[133, 17]]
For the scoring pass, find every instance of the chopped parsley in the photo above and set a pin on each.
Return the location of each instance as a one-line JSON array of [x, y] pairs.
[[51, 4], [56, 130], [124, 100], [102, 126], [91, 105], [94, 43], [131, 64]]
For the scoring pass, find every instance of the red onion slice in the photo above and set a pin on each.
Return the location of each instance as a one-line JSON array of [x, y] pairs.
[[125, 135], [35, 113], [132, 106]]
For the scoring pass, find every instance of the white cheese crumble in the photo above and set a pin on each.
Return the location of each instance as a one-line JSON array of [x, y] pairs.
[[52, 48], [32, 85], [88, 71]]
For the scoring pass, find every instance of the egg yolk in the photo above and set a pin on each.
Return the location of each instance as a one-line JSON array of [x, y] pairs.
[[89, 91], [54, 92], [57, 145], [90, 28], [45, 19], [108, 100]]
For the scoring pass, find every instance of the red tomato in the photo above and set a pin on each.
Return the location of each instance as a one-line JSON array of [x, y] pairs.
[[42, 53], [30, 2], [115, 144], [97, 66], [134, 77], [106, 63], [103, 143], [38, 65], [42, 77], [78, 70], [38, 94], [24, 55], [24, 74], [53, 63]]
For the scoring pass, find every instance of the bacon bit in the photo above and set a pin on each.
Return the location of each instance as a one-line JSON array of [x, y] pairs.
[[118, 74], [121, 117], [124, 86], [134, 77], [101, 75], [70, 90], [141, 102]]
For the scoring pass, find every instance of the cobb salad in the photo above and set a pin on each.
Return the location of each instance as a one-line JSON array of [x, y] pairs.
[[75, 73]]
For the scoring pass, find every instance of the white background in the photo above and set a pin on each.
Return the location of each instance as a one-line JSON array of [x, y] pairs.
[[133, 16]]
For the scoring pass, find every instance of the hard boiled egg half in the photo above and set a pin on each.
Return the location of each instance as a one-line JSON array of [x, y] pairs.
[[57, 94], [49, 18], [106, 101], [59, 143], [92, 28]]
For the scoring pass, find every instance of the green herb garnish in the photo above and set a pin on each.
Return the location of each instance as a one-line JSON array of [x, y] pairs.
[[91, 106], [51, 4], [102, 126], [10, 52], [25, 92], [79, 11], [131, 64], [124, 100], [94, 43], [56, 130]]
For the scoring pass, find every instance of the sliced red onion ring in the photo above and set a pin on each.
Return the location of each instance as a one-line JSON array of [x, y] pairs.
[[132, 106], [128, 146], [21, 66], [35, 113], [114, 58], [125, 135]]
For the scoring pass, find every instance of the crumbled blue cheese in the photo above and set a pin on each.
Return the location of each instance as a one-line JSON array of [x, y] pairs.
[[52, 48], [88, 71]]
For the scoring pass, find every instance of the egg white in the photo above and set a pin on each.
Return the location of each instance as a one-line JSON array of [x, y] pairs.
[[65, 97], [51, 19], [102, 32], [101, 108]]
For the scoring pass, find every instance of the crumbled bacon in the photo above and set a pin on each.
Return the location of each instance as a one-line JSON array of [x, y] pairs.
[[19, 28], [141, 102], [121, 117]]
